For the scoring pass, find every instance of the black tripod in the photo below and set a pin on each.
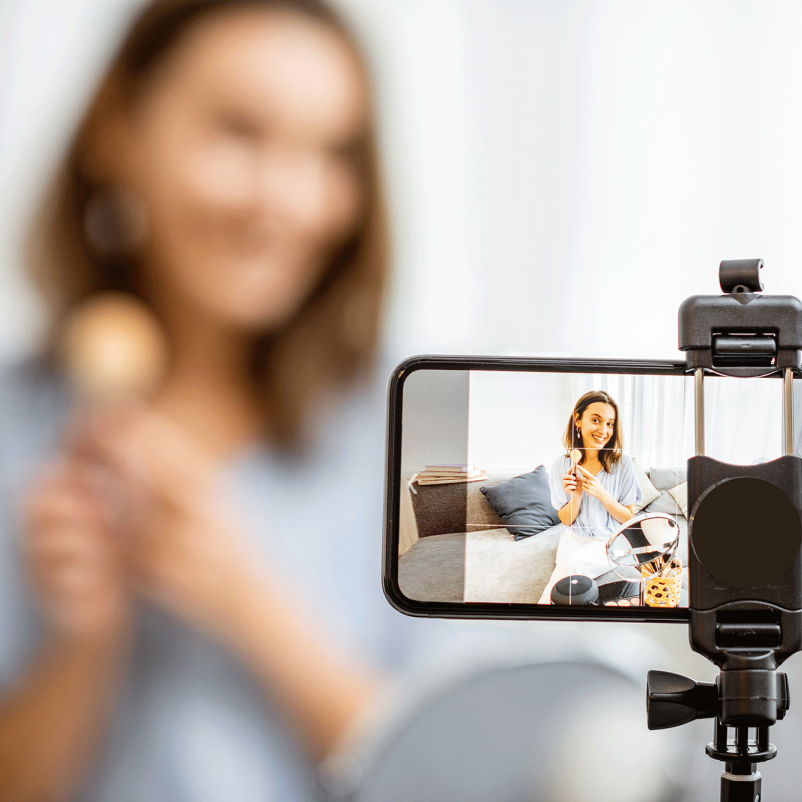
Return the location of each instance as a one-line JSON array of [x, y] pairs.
[[745, 602], [673, 700]]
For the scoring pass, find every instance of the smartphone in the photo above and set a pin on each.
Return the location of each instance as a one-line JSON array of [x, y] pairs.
[[554, 489]]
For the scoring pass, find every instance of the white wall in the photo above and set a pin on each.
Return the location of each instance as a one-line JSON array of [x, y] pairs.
[[744, 420], [563, 172], [435, 419], [517, 420]]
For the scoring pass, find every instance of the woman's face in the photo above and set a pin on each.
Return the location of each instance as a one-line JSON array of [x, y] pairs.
[[242, 152], [597, 425]]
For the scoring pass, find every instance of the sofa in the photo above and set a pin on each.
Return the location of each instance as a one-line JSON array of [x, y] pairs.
[[455, 547]]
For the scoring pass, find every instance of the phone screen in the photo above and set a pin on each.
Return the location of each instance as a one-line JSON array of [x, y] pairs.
[[554, 489]]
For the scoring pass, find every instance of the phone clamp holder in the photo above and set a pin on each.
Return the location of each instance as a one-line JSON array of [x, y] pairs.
[[745, 534]]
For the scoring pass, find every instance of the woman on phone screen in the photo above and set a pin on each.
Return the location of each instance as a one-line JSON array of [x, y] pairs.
[[593, 487], [188, 602]]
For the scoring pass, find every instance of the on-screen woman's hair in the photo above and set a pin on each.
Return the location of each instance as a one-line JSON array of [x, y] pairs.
[[611, 454], [333, 338]]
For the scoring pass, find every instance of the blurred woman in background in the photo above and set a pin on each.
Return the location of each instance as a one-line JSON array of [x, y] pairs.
[[225, 176]]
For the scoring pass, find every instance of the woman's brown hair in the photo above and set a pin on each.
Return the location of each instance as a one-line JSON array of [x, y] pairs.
[[610, 455], [333, 338]]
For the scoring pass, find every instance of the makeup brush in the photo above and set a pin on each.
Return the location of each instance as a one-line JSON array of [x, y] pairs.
[[114, 346], [575, 455]]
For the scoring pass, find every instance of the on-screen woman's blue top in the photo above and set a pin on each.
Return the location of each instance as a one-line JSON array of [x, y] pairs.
[[593, 519]]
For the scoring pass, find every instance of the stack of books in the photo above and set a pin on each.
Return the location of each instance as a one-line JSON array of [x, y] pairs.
[[449, 474]]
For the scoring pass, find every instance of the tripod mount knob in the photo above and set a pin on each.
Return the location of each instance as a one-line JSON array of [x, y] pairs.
[[743, 273], [672, 700]]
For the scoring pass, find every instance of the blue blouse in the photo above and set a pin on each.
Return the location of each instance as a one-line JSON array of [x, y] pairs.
[[593, 519], [191, 723]]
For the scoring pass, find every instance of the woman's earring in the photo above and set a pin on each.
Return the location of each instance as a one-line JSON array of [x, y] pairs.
[[115, 221]]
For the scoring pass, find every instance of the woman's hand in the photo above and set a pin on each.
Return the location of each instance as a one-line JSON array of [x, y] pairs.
[[593, 487], [572, 485], [182, 547], [573, 488], [590, 484], [74, 564], [55, 716]]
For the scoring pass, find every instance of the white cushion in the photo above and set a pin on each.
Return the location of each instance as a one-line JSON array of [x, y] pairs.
[[649, 491], [680, 495]]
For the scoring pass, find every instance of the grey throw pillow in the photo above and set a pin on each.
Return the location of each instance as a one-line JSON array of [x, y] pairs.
[[666, 478], [523, 503]]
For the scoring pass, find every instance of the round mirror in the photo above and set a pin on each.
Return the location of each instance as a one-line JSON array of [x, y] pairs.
[[644, 547]]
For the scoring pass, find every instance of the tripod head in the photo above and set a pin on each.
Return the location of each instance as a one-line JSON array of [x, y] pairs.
[[745, 567], [741, 333]]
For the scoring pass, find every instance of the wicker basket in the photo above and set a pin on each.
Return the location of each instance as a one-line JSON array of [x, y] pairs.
[[663, 590]]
